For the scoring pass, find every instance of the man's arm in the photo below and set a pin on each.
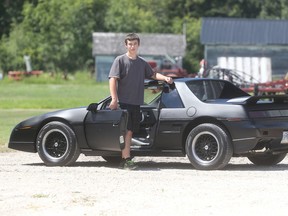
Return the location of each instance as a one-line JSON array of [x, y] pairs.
[[113, 92], [158, 76]]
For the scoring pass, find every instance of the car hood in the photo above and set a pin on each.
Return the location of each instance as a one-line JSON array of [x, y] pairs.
[[73, 116]]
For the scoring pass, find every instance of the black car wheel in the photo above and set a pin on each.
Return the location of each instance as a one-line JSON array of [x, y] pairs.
[[267, 160], [208, 147], [57, 144]]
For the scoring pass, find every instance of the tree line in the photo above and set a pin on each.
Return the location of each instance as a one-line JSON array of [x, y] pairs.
[[57, 35]]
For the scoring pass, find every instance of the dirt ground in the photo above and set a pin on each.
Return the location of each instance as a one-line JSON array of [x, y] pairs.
[[161, 186]]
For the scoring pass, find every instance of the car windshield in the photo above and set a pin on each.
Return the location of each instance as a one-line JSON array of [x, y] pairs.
[[214, 89]]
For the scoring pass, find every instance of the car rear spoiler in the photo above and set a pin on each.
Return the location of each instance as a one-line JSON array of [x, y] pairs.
[[250, 100]]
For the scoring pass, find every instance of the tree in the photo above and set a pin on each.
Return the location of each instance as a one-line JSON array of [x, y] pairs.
[[274, 9], [131, 16], [57, 34], [10, 11]]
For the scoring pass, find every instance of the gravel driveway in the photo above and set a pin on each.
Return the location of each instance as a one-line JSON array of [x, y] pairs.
[[162, 186]]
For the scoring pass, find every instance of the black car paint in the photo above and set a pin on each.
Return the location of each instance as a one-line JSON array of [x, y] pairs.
[[22, 140]]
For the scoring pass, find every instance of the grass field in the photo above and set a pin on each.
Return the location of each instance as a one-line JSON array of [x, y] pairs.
[[49, 96], [21, 100]]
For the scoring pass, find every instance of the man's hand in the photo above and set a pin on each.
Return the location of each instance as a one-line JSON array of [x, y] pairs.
[[158, 76], [169, 80], [113, 105]]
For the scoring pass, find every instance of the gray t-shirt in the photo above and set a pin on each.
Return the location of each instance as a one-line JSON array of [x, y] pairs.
[[131, 74]]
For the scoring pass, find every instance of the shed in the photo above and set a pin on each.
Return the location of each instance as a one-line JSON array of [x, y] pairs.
[[156, 47], [257, 47]]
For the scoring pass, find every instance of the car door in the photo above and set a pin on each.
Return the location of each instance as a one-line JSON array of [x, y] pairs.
[[105, 129], [171, 120]]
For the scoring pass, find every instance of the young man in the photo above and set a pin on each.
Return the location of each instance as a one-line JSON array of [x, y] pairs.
[[126, 83]]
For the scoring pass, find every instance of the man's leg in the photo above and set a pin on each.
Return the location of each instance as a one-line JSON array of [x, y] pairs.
[[126, 150], [126, 162], [132, 124]]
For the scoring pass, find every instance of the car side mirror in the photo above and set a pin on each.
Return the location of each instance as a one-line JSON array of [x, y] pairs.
[[92, 107]]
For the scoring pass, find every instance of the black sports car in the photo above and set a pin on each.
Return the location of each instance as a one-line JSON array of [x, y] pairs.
[[208, 120]]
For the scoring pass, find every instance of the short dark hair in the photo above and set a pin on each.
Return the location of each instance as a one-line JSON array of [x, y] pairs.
[[131, 37]]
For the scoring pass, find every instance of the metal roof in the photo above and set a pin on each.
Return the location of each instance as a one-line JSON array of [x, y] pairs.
[[244, 31], [150, 44]]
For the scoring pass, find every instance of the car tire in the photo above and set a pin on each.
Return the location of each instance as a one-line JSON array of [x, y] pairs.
[[267, 160], [57, 144], [208, 147]]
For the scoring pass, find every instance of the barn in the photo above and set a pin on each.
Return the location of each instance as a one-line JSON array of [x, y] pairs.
[[257, 47]]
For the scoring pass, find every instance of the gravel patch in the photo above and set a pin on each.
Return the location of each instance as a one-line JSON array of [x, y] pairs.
[[161, 186]]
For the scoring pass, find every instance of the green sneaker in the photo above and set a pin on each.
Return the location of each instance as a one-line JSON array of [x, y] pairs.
[[128, 164]]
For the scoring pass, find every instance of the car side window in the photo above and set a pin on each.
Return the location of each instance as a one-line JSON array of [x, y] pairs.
[[198, 90], [171, 99], [214, 89], [105, 105]]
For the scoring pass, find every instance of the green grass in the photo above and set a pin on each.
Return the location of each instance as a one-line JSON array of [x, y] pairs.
[[50, 96], [20, 100]]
